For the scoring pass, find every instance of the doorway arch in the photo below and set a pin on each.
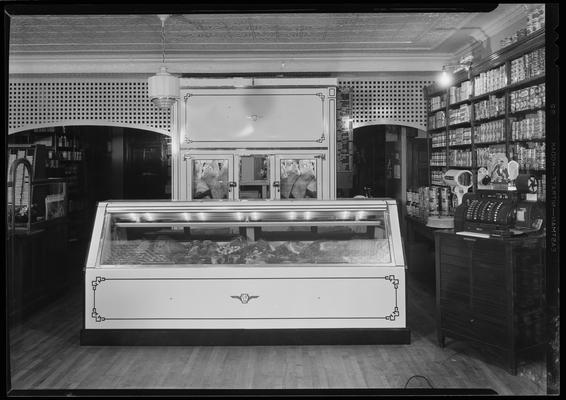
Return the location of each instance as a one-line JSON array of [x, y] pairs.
[[388, 121], [402, 161]]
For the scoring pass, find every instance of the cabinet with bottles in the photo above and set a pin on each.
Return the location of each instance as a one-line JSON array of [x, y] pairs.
[[65, 158], [494, 114]]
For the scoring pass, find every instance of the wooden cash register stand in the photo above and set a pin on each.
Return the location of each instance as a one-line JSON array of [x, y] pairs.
[[492, 291]]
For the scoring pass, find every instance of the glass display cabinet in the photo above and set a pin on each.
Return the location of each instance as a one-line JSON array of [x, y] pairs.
[[234, 176], [245, 272]]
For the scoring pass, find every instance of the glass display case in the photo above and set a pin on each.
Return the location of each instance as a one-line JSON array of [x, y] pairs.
[[245, 264]]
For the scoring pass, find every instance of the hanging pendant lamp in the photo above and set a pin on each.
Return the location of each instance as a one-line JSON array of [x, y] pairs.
[[163, 88]]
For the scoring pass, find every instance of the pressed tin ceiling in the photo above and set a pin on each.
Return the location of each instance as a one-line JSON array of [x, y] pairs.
[[236, 32], [236, 36]]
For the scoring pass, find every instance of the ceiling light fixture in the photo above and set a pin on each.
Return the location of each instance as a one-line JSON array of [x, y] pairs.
[[446, 77], [163, 88]]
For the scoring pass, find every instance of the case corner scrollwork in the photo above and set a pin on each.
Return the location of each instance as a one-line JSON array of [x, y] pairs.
[[395, 313], [94, 314], [321, 139], [97, 281], [394, 281]]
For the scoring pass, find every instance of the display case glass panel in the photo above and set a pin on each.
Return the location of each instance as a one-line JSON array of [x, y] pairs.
[[247, 235], [210, 178], [298, 178]]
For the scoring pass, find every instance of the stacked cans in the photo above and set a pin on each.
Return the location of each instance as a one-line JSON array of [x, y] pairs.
[[528, 98], [437, 178], [493, 79], [535, 20], [429, 201], [460, 93], [459, 115], [439, 201], [493, 131], [460, 158], [438, 140], [530, 156], [528, 66], [531, 127], [459, 136], [433, 198], [493, 107], [438, 159]]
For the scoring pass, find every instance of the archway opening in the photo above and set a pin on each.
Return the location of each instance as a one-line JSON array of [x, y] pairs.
[[97, 163], [388, 159]]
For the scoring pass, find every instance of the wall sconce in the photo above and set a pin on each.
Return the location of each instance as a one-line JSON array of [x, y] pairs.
[[446, 77], [163, 88]]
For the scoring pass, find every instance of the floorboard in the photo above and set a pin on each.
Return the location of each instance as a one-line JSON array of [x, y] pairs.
[[45, 354]]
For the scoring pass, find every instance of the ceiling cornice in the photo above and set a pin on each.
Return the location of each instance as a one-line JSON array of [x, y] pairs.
[[272, 63], [505, 20]]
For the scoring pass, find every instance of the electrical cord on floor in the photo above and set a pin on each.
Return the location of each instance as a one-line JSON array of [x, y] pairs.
[[418, 376]]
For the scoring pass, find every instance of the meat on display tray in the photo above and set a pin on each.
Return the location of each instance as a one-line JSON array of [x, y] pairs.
[[240, 251]]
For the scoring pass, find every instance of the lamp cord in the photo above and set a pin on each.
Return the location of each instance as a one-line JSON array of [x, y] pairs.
[[163, 40]]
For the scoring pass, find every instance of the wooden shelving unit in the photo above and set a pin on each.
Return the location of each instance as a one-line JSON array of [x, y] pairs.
[[523, 59]]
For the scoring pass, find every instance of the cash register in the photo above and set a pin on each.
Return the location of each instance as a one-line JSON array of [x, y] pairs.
[[498, 213]]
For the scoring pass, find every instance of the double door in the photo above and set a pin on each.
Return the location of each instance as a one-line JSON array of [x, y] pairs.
[[253, 176]]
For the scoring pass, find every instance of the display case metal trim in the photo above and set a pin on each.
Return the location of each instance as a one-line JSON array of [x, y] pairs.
[[243, 223]]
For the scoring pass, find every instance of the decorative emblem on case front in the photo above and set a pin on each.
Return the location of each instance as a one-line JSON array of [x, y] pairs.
[[244, 298], [254, 117]]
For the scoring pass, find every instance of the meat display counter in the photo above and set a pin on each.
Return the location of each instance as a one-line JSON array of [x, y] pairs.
[[245, 272]]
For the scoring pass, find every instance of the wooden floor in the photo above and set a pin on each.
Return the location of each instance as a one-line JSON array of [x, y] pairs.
[[45, 354]]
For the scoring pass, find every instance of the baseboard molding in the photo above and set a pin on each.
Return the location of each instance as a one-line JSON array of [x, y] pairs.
[[242, 337]]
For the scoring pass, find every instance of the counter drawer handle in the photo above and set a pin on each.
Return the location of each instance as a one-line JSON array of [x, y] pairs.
[[244, 298]]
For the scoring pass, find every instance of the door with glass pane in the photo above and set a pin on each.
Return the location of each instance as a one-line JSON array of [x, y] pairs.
[[298, 176], [254, 174], [210, 177]]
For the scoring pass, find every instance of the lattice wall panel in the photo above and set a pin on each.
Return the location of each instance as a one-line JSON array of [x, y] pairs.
[[51, 101], [401, 100]]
